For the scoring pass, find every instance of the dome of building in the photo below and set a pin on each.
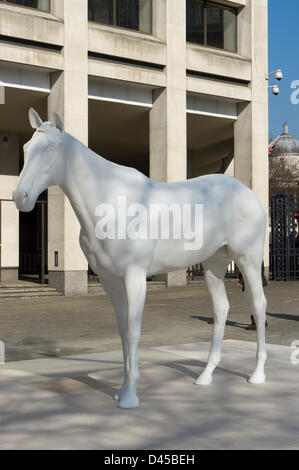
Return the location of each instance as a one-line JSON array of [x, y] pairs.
[[286, 144]]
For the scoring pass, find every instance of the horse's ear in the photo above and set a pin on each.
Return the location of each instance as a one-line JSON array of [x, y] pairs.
[[58, 122], [34, 119]]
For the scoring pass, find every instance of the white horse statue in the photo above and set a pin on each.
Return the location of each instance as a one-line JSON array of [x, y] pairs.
[[229, 222]]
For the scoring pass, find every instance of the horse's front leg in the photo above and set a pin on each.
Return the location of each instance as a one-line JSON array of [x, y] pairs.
[[135, 285], [122, 327], [117, 294]]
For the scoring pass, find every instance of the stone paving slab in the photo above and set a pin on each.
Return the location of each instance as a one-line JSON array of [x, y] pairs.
[[66, 402], [64, 326]]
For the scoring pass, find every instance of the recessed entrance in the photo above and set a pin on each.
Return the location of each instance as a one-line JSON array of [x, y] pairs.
[[24, 254], [33, 243]]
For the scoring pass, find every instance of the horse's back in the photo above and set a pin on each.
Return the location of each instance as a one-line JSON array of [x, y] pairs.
[[222, 191]]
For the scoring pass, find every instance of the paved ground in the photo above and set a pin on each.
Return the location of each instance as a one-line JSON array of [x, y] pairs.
[[37, 328], [59, 402], [66, 403]]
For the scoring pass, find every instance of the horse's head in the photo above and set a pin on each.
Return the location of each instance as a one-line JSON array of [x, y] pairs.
[[44, 162]]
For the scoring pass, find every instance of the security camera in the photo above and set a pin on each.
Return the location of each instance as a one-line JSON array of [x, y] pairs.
[[278, 75], [275, 90]]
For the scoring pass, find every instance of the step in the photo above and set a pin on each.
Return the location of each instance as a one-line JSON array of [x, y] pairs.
[[95, 289], [13, 289], [30, 295], [155, 285], [23, 291]]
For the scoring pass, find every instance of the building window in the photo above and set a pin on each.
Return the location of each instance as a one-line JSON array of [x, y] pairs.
[[212, 25], [130, 14], [39, 4]]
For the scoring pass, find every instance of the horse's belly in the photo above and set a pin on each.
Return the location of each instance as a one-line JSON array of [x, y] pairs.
[[171, 255]]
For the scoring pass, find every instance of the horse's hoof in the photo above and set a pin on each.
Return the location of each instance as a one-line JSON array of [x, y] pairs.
[[129, 400], [257, 378], [204, 380], [118, 396]]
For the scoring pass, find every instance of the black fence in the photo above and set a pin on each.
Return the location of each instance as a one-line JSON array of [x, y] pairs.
[[197, 270], [284, 249]]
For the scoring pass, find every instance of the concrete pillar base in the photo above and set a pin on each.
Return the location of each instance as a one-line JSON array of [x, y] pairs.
[[176, 278], [9, 275], [69, 282], [266, 272]]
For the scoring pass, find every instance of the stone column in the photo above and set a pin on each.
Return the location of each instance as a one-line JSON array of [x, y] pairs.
[[251, 128], [168, 137], [9, 215], [69, 97], [9, 239], [229, 167]]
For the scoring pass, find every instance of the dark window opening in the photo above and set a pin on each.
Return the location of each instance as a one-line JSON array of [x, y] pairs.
[[38, 4], [212, 25], [129, 14]]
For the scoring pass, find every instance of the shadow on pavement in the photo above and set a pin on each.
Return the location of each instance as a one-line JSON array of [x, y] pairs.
[[210, 321], [284, 316]]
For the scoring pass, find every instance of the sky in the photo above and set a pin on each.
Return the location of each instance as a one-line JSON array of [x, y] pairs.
[[284, 54]]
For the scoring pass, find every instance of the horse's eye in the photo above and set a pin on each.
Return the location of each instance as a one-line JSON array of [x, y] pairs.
[[53, 148]]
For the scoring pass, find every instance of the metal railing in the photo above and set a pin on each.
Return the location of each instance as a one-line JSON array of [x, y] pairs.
[[197, 270], [284, 253]]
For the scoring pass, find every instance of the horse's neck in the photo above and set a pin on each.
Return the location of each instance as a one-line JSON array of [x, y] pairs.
[[81, 162]]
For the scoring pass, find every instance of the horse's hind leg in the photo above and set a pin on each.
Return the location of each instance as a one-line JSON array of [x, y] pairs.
[[135, 284], [250, 268], [117, 294], [215, 268]]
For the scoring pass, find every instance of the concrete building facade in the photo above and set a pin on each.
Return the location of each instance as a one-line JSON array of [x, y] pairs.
[[174, 88]]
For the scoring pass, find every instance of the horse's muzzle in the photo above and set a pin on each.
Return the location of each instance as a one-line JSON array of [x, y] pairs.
[[22, 201]]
